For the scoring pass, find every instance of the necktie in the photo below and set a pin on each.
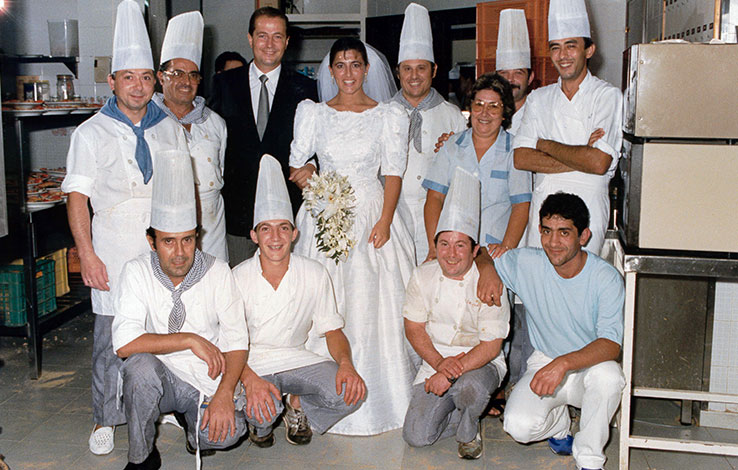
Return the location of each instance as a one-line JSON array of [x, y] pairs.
[[262, 113]]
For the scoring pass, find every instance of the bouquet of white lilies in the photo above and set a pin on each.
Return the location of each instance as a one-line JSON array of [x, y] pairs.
[[330, 199]]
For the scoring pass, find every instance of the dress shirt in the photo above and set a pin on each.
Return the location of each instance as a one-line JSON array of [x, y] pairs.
[[255, 85]]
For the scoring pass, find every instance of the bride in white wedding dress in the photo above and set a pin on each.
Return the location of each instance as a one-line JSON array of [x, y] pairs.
[[362, 139]]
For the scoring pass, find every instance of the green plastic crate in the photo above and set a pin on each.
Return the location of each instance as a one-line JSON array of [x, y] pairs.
[[13, 293]]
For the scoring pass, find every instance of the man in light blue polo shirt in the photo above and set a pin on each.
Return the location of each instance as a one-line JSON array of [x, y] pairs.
[[574, 302]]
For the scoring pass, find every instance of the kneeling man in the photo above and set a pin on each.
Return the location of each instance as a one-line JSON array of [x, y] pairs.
[[180, 326], [285, 296], [458, 337], [574, 302]]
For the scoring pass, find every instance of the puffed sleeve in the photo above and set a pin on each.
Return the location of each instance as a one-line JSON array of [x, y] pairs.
[[81, 166], [394, 140], [303, 142]]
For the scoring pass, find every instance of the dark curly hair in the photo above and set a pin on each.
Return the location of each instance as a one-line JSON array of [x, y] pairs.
[[498, 84], [567, 206]]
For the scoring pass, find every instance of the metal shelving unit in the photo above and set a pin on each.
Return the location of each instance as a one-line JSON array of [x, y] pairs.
[[36, 233], [70, 62]]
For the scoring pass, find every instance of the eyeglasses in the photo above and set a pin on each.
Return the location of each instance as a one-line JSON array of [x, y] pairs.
[[181, 74], [494, 107]]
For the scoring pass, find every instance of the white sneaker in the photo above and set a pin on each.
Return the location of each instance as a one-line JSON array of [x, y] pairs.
[[101, 441], [169, 418]]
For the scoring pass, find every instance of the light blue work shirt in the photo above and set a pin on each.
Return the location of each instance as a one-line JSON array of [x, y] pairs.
[[502, 184], [565, 315]]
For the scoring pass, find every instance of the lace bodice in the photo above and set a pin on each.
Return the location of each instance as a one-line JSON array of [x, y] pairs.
[[357, 145]]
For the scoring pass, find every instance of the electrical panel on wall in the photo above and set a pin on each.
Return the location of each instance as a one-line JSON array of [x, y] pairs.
[[691, 20]]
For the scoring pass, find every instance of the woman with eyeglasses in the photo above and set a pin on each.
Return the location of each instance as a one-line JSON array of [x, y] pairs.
[[485, 149]]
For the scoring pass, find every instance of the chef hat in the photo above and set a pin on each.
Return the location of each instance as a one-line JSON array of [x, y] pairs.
[[272, 199], [460, 211], [416, 39], [183, 39], [513, 45], [173, 206], [131, 47], [568, 19]]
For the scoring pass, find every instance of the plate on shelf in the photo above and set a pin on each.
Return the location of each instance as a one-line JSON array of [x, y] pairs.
[[64, 104], [26, 104], [40, 205], [84, 110], [56, 111], [24, 112]]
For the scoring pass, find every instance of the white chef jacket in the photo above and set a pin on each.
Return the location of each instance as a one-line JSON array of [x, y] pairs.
[[455, 319], [207, 145], [214, 311], [279, 320], [102, 166], [516, 120], [550, 115], [443, 118]]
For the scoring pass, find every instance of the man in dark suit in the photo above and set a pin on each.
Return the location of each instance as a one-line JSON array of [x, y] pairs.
[[258, 103]]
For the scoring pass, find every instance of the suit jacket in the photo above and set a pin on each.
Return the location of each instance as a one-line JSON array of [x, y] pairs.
[[231, 99]]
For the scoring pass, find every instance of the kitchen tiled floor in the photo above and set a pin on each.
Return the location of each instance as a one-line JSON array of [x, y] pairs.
[[45, 425]]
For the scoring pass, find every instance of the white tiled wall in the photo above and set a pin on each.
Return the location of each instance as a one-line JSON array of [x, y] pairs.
[[724, 364], [24, 31]]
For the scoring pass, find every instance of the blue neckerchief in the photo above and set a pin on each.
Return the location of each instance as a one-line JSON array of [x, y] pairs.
[[153, 116]]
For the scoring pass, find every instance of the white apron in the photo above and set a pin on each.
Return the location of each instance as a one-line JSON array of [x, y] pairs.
[[593, 191], [118, 235], [206, 157], [213, 227]]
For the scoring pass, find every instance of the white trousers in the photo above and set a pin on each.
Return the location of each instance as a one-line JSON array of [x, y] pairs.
[[596, 390]]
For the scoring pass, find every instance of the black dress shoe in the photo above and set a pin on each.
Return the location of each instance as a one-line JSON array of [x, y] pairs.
[[152, 462], [192, 451]]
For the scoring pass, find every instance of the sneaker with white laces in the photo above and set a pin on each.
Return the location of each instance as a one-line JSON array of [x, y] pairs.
[[102, 440], [297, 428], [471, 450]]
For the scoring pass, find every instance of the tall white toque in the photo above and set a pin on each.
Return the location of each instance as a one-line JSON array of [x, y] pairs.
[[272, 199], [173, 206], [131, 47], [568, 19], [513, 44], [460, 211], [416, 38], [183, 39]]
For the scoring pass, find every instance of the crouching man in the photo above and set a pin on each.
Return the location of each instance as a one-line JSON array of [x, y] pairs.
[[179, 324], [458, 337], [574, 302], [285, 296]]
